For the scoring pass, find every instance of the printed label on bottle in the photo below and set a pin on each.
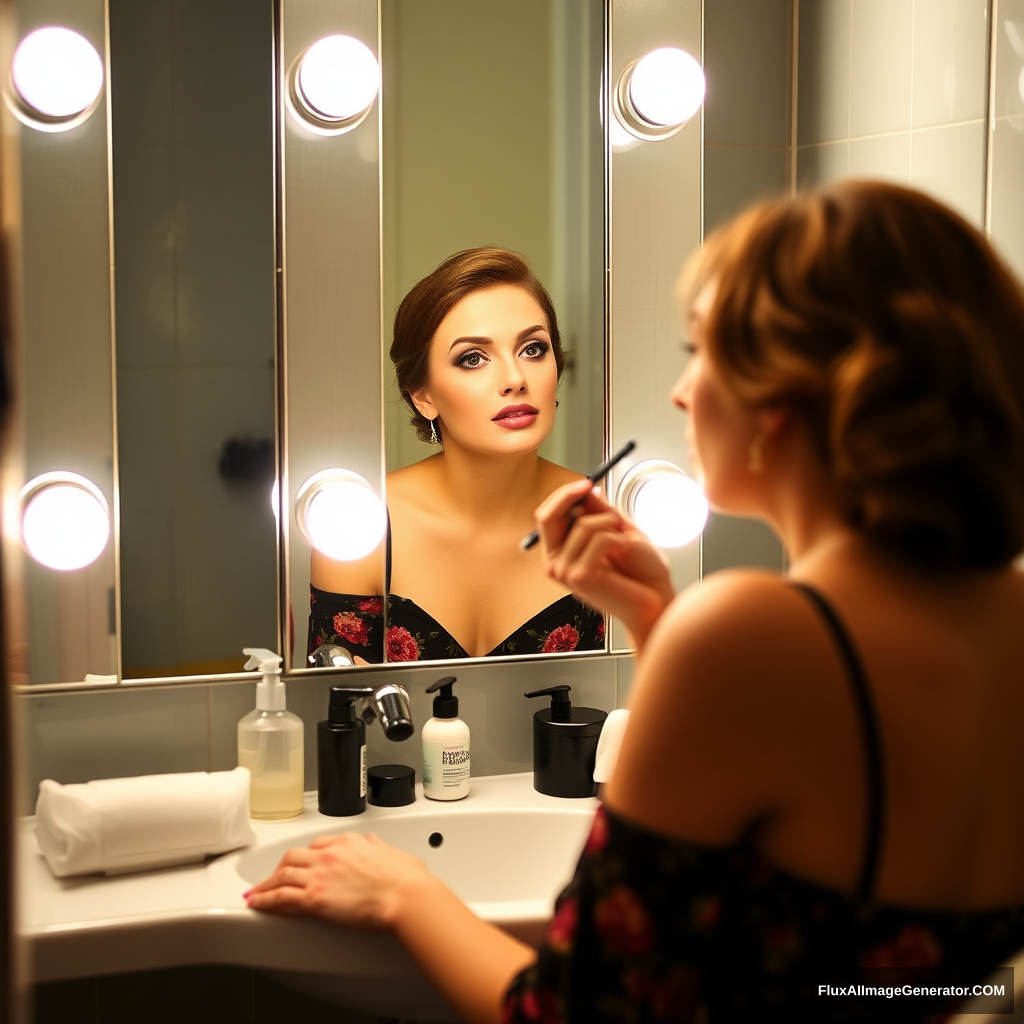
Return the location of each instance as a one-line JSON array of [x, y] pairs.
[[445, 767], [362, 770]]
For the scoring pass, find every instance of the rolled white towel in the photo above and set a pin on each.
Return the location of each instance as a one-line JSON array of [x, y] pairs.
[[149, 821], [608, 744]]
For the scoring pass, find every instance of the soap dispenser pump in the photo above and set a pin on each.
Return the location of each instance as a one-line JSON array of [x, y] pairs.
[[270, 743], [565, 745], [445, 746]]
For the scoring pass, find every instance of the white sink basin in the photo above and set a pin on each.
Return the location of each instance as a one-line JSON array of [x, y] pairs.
[[508, 864], [506, 850]]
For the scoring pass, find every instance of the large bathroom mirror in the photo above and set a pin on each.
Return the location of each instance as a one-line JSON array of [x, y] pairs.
[[491, 139]]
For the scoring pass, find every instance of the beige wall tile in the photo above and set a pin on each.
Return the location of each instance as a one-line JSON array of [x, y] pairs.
[[880, 78], [949, 162]]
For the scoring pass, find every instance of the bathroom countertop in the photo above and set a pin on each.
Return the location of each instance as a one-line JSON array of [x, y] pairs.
[[195, 913]]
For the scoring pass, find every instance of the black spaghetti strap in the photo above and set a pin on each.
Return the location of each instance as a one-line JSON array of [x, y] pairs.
[[387, 560], [872, 742]]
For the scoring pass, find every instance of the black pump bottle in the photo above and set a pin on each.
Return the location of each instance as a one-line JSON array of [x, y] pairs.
[[565, 745], [341, 755]]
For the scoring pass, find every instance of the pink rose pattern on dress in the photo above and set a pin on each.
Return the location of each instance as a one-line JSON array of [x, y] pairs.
[[400, 645], [350, 627], [656, 929], [910, 958], [622, 921], [564, 638]]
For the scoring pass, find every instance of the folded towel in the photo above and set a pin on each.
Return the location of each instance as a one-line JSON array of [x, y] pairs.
[[608, 744], [150, 821]]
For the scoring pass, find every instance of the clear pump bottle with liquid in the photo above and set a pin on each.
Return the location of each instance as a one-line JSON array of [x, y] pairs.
[[270, 743]]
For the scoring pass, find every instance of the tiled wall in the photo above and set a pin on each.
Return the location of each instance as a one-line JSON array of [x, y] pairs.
[[746, 154], [895, 89], [1007, 193], [81, 735]]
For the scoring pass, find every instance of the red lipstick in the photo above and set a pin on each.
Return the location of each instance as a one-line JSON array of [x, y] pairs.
[[516, 417]]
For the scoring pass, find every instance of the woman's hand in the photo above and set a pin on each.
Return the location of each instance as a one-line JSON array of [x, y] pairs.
[[603, 558], [353, 880], [362, 882]]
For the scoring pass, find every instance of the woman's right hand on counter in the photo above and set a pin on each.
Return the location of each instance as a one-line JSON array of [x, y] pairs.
[[603, 558]]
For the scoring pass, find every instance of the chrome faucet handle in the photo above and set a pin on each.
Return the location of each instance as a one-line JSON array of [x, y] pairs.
[[331, 656], [391, 702]]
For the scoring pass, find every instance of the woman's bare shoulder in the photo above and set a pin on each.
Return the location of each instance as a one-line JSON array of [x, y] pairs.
[[720, 700], [364, 576], [554, 475], [740, 636]]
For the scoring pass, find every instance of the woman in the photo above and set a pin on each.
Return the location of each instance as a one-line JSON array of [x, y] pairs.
[[478, 358], [838, 798]]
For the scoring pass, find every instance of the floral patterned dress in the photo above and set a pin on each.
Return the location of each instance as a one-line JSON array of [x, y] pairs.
[[412, 634], [655, 929]]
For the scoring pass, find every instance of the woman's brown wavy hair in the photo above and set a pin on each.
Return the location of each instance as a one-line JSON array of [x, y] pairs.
[[430, 300], [893, 328]]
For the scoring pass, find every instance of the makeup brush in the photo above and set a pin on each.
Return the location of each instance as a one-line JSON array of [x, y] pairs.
[[596, 477]]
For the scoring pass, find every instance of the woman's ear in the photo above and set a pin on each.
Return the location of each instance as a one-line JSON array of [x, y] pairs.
[[772, 421], [423, 404]]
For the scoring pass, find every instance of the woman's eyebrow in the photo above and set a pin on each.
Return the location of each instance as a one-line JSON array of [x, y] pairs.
[[471, 340], [521, 336]]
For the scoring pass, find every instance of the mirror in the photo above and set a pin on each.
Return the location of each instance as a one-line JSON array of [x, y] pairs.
[[192, 144], [209, 272], [491, 137]]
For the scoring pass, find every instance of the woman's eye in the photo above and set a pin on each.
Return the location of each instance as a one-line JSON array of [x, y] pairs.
[[471, 360], [535, 350]]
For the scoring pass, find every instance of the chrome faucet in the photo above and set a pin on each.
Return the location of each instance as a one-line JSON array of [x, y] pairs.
[[389, 702]]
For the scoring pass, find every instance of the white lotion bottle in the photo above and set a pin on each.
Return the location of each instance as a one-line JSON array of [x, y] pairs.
[[270, 744], [445, 747]]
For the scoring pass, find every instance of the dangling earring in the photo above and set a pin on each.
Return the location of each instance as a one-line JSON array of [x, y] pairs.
[[556, 403], [755, 454], [434, 439]]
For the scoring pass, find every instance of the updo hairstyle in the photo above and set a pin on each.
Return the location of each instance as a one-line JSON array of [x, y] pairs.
[[429, 302], [890, 326]]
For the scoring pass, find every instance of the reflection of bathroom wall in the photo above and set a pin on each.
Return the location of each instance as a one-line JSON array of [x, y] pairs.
[[1007, 188], [194, 243], [895, 89], [492, 137], [746, 154]]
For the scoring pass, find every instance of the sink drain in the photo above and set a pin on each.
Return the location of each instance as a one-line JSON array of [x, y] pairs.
[[436, 839]]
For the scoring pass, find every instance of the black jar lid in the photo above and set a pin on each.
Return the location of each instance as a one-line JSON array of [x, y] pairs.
[[390, 785]]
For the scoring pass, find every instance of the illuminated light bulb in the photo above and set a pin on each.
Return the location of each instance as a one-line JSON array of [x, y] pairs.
[[334, 84], [58, 75], [667, 87], [65, 523], [658, 94], [664, 503], [340, 514]]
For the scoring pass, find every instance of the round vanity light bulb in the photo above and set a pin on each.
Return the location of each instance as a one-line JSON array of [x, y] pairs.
[[670, 509], [338, 77], [663, 502], [64, 523], [340, 515], [57, 74], [667, 87]]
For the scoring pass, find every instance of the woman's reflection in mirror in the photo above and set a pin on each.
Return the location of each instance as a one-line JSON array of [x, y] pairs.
[[478, 358]]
